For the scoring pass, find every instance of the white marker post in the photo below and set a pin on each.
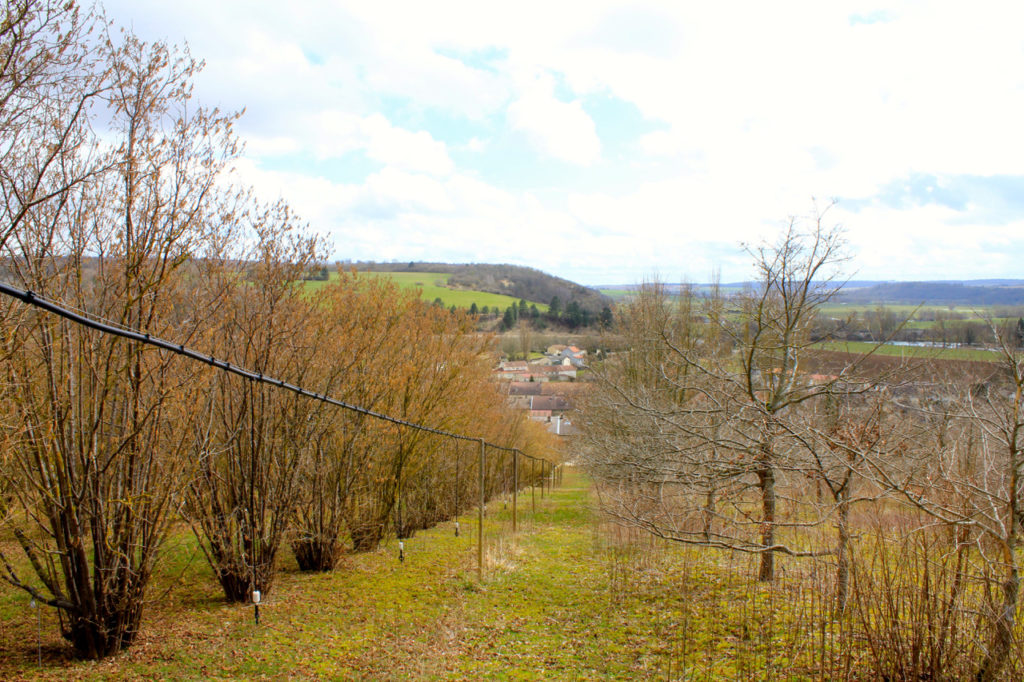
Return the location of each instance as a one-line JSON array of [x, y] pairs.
[[39, 630]]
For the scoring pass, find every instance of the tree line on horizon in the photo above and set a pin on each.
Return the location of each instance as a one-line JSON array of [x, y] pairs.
[[572, 317]]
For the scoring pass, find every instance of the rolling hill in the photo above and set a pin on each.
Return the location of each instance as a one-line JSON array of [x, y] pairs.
[[509, 282]]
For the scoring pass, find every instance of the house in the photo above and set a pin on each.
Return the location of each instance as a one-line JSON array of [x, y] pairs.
[[545, 408], [524, 388], [576, 356], [553, 404], [556, 372], [521, 392], [560, 426], [516, 371]]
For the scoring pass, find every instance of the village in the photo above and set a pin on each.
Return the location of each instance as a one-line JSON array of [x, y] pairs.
[[546, 387]]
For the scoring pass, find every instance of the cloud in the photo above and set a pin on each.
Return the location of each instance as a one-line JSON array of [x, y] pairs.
[[410, 134], [560, 130], [983, 200], [334, 134], [438, 81]]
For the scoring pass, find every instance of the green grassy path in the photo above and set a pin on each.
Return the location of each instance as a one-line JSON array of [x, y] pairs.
[[559, 601]]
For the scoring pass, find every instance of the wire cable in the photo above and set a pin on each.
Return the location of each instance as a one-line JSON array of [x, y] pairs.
[[39, 302]]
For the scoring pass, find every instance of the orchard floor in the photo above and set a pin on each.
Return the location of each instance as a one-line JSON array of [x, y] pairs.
[[567, 597]]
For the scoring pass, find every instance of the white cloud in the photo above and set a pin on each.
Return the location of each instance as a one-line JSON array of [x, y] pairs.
[[561, 130], [754, 108], [391, 193], [434, 80], [332, 134], [475, 144]]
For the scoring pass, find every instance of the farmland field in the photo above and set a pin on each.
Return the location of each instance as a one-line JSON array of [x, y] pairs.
[[434, 285], [620, 295], [918, 352], [902, 310]]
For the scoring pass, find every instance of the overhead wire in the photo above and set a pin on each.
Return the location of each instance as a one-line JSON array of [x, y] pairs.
[[85, 320]]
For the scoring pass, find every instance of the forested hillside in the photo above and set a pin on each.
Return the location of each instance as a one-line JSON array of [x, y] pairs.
[[511, 280], [946, 293]]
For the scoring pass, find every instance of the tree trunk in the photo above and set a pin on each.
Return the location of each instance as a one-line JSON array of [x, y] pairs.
[[843, 552], [766, 476], [1002, 639], [236, 584], [95, 636], [315, 554], [709, 514], [367, 538]]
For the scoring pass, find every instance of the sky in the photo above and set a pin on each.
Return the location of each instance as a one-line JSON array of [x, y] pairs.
[[612, 142]]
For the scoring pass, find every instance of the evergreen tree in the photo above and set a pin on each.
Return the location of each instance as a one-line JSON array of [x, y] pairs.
[[473, 310], [574, 314], [555, 308]]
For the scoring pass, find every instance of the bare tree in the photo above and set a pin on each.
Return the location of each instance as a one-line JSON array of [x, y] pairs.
[[252, 437], [966, 473], [703, 415], [50, 76], [361, 316], [97, 438], [837, 435]]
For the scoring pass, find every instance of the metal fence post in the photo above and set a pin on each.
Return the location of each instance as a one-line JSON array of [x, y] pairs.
[[515, 489], [480, 519], [533, 485]]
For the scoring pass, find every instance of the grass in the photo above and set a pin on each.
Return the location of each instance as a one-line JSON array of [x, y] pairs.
[[900, 309], [918, 352], [434, 285], [563, 599], [568, 597], [617, 295], [373, 618]]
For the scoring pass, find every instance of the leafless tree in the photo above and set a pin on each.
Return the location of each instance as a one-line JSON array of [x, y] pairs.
[[97, 435], [837, 435], [252, 437], [966, 474], [700, 425], [50, 78]]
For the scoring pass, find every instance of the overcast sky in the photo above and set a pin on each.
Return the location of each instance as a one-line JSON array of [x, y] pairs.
[[607, 142]]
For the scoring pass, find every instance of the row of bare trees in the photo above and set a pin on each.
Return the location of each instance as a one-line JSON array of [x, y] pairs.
[[725, 426], [118, 203]]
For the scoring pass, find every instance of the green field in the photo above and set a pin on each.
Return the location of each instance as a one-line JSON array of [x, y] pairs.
[[917, 352], [621, 295], [563, 599], [905, 310], [434, 285], [617, 295]]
